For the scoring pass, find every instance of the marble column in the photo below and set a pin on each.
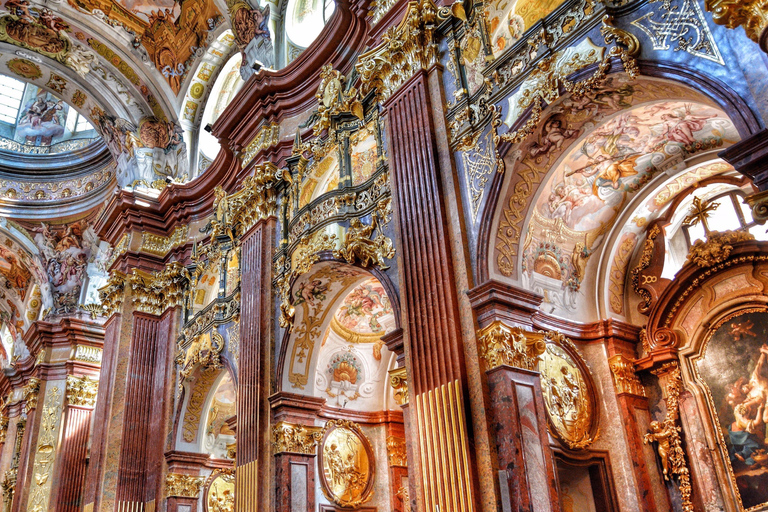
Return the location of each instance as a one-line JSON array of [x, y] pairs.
[[254, 368]]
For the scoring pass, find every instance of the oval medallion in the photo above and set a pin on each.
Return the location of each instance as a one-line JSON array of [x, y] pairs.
[[220, 494], [346, 464], [568, 394]]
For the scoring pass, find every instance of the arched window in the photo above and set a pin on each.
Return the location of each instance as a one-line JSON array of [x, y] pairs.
[[225, 88], [306, 19]]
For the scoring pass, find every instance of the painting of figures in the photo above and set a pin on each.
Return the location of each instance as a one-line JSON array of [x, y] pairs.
[[735, 369]]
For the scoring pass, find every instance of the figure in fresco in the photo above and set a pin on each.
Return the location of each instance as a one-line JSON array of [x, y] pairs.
[[43, 118], [553, 136]]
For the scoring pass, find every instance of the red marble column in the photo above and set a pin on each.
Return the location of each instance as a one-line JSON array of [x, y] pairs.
[[95, 470], [146, 403], [444, 474], [74, 453], [254, 368]]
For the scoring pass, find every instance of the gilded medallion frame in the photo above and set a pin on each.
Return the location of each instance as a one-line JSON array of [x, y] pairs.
[[227, 476], [325, 466]]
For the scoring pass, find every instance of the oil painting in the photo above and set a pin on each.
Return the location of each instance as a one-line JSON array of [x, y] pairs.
[[734, 368]]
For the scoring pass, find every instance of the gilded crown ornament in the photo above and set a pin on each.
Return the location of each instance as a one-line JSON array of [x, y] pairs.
[[333, 98]]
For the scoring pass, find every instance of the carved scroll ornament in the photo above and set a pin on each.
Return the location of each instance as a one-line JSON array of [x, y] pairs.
[[292, 438], [500, 344], [750, 14], [184, 486], [398, 379], [716, 248]]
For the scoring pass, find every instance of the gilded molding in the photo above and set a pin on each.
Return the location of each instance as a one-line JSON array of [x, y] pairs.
[[624, 377], [88, 354], [333, 99], [235, 214], [500, 345], [198, 393], [82, 391], [267, 136], [29, 394], [645, 262], [396, 452], [404, 50], [667, 434], [3, 428], [750, 14], [182, 486], [159, 245], [113, 293], [156, 292], [398, 379], [758, 202], [292, 438], [716, 248]]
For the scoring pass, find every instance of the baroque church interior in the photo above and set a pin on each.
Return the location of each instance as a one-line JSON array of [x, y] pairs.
[[383, 255]]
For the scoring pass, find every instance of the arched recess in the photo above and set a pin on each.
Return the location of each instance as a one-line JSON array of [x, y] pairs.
[[565, 186], [714, 318], [335, 356]]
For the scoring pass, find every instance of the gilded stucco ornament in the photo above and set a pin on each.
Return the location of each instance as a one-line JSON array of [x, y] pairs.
[[205, 351], [293, 438], [221, 491], [624, 377], [500, 344], [405, 49], [346, 464], [3, 428], [398, 379], [334, 98], [750, 14], [235, 214], [645, 262], [183, 486], [156, 292], [568, 393], [396, 452], [29, 394], [159, 245], [758, 202], [359, 246], [82, 391], [716, 248], [666, 434], [8, 486]]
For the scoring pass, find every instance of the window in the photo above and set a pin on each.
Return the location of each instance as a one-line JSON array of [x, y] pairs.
[[82, 124], [732, 214], [306, 19], [11, 92]]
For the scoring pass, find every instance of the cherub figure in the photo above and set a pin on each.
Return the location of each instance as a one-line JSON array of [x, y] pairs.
[[662, 433]]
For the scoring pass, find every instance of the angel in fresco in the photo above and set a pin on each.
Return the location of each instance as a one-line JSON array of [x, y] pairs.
[[312, 290], [742, 329], [553, 136], [20, 9], [681, 126]]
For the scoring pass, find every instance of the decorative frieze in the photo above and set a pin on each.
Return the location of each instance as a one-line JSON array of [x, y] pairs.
[[624, 377], [88, 354], [398, 379], [182, 486], [81, 391], [500, 345], [292, 438]]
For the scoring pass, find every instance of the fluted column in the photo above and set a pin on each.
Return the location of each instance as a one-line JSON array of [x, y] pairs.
[[254, 369]]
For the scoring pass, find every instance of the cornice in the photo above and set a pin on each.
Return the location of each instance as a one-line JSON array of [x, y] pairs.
[[274, 95], [69, 331]]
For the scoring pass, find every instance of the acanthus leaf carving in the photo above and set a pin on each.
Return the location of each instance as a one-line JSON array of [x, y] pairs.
[[500, 345], [293, 438]]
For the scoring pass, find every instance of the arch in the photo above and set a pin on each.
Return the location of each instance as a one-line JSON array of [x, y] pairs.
[[319, 294], [733, 105]]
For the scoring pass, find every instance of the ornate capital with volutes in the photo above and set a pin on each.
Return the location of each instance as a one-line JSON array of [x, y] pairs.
[[156, 292], [293, 438], [758, 202], [624, 377], [405, 50], [236, 213], [750, 14], [500, 344], [398, 379], [81, 391], [30, 393], [112, 293], [396, 452], [183, 486]]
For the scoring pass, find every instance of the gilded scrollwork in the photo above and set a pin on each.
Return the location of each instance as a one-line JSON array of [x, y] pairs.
[[159, 245], [624, 377], [267, 136], [396, 452], [666, 434], [3, 427], [758, 202], [112, 293], [716, 248], [204, 351], [398, 379], [45, 452], [500, 344], [334, 98], [29, 394], [750, 14], [645, 262], [183, 486], [293, 438], [82, 391]]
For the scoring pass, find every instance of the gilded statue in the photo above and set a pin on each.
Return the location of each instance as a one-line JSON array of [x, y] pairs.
[[359, 246], [663, 434]]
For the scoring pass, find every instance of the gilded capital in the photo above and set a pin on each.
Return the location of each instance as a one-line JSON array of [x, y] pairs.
[[112, 293], [398, 379], [292, 438], [624, 377], [500, 344], [82, 390], [750, 14], [404, 50], [396, 452], [156, 292], [182, 486]]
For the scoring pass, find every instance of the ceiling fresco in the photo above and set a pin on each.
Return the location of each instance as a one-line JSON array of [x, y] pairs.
[[508, 19]]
